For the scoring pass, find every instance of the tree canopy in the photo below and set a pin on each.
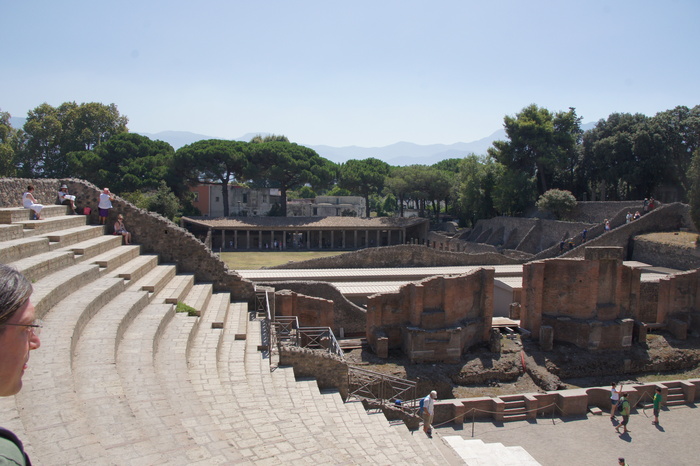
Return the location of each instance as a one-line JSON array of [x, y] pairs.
[[363, 177], [126, 162], [288, 166], [214, 161]]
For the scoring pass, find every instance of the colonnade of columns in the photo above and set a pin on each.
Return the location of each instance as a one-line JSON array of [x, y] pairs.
[[309, 239]]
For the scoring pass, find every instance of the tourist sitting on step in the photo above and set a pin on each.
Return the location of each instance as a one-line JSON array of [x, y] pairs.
[[29, 202], [120, 229], [66, 199], [19, 334]]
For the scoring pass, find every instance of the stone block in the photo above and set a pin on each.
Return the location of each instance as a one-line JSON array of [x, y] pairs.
[[546, 338], [678, 328], [604, 253], [382, 348]]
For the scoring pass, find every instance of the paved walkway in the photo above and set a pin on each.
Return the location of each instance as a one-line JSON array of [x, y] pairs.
[[593, 441]]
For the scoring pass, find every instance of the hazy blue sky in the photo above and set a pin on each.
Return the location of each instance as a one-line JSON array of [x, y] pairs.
[[367, 73]]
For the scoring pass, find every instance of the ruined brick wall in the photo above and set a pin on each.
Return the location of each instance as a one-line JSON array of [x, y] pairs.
[[649, 302], [679, 298], [154, 233], [585, 301], [329, 370], [348, 318], [311, 311], [435, 314]]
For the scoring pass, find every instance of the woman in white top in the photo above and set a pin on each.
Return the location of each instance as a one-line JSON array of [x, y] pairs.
[[614, 399], [105, 204], [29, 202]]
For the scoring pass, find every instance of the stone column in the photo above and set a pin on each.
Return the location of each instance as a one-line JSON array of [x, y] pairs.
[[344, 239], [235, 239], [247, 239], [332, 239], [320, 239], [223, 239], [354, 245]]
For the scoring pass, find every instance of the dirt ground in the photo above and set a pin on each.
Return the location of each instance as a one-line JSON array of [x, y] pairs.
[[522, 368]]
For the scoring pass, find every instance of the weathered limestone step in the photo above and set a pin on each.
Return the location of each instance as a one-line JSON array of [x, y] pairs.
[[171, 371], [41, 265], [93, 247], [10, 232], [475, 451], [219, 306], [51, 409], [156, 279], [176, 289], [70, 236], [199, 296], [324, 418], [135, 269], [144, 392], [116, 257], [16, 249], [19, 214], [99, 387], [40, 227], [234, 420], [53, 288]]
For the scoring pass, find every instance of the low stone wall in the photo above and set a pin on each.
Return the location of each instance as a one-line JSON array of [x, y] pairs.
[[598, 211], [349, 317], [564, 403], [661, 255], [310, 311], [154, 233], [400, 256], [329, 370]]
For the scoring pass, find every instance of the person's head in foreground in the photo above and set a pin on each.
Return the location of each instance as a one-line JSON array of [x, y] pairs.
[[19, 330]]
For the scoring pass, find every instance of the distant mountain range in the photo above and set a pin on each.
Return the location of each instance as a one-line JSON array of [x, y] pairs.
[[398, 154]]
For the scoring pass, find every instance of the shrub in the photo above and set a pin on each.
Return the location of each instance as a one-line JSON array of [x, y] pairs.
[[557, 201]]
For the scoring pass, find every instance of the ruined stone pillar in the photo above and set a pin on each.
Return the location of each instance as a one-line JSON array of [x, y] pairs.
[[546, 338]]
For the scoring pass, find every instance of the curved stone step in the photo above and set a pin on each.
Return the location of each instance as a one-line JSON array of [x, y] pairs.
[[51, 409], [98, 385], [66, 237], [16, 249], [116, 257], [171, 371]]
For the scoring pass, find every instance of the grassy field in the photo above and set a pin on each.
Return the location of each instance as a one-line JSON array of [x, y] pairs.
[[259, 260]]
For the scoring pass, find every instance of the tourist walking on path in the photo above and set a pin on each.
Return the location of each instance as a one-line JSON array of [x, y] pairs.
[[614, 399], [105, 204], [29, 202], [19, 334], [621, 462], [657, 406], [428, 412], [625, 414]]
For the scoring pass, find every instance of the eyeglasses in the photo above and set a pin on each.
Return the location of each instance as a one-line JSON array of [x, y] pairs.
[[34, 327]]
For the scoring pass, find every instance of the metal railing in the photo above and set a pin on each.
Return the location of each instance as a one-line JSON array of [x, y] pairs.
[[364, 384], [318, 338]]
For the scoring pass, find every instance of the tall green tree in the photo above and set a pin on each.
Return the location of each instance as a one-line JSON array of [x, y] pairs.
[[9, 145], [53, 132], [214, 161], [539, 143], [289, 166], [364, 177], [126, 162], [679, 129]]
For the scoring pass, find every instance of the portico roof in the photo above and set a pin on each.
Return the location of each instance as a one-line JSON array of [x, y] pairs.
[[305, 223]]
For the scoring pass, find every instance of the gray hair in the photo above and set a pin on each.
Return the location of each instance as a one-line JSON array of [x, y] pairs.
[[15, 291]]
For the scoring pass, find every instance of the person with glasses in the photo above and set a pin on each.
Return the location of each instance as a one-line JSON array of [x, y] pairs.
[[19, 334]]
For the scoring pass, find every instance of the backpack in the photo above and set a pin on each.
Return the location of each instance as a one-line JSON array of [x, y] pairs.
[[421, 406]]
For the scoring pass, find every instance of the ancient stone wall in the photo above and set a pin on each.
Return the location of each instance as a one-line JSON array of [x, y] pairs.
[[311, 311], [598, 211], [661, 255], [348, 318], [154, 233], [669, 217], [590, 303], [434, 320], [400, 256], [329, 370]]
